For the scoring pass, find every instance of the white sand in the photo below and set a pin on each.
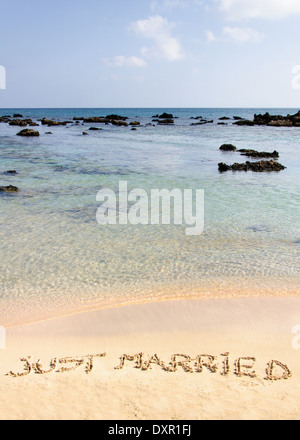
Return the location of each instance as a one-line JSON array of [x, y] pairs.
[[260, 328]]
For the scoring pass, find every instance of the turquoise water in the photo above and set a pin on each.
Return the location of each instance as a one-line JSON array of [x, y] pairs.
[[56, 259]]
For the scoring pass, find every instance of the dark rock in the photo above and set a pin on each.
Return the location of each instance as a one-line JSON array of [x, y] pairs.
[[119, 123], [96, 120], [18, 123], [257, 167], [48, 132], [245, 122], [223, 167], [166, 121], [135, 123], [164, 116], [228, 147], [9, 188], [203, 122], [11, 172], [259, 155], [95, 129], [17, 115], [116, 118], [50, 123], [84, 133], [273, 120], [237, 118], [28, 133], [277, 123], [225, 118]]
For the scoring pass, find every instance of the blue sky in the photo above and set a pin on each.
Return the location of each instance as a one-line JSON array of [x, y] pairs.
[[140, 53]]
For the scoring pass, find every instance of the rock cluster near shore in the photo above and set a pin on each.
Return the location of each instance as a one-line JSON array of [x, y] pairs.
[[163, 119], [258, 167]]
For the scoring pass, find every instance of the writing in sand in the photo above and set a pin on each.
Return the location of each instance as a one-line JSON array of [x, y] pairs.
[[223, 365]]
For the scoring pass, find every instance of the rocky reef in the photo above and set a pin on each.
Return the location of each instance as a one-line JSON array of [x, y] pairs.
[[272, 120], [257, 167]]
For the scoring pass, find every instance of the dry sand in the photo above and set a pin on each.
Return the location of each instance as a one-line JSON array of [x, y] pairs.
[[252, 328]]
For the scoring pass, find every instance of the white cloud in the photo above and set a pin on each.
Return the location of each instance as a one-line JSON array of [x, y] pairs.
[[210, 36], [158, 29], [121, 61], [270, 9], [242, 35]]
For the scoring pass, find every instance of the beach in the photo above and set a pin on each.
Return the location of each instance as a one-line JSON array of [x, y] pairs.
[[235, 359], [149, 320]]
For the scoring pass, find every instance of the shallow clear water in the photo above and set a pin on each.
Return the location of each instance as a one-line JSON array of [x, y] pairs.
[[56, 259]]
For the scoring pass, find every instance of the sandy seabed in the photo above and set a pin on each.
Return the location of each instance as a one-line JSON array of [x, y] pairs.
[[173, 360]]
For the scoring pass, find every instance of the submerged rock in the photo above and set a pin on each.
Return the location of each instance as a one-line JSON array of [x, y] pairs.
[[259, 228], [203, 122], [257, 167], [257, 154]]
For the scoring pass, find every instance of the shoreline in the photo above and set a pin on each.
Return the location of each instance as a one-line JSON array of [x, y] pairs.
[[198, 296]]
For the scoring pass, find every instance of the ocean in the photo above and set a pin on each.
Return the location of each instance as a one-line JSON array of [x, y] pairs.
[[55, 258]]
